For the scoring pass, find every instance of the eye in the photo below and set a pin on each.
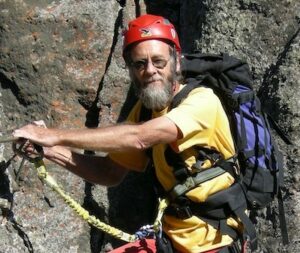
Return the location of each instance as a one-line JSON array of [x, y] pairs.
[[139, 65], [159, 63]]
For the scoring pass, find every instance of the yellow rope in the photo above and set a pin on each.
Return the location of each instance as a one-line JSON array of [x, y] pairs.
[[163, 203], [45, 177]]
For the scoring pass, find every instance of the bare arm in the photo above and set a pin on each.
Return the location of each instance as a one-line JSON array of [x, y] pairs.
[[109, 139], [101, 170], [95, 169]]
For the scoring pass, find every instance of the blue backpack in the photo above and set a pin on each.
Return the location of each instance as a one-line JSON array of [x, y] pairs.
[[260, 163]]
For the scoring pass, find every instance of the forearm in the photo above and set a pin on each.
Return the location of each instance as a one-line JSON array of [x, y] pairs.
[[113, 138], [109, 139], [122, 137], [95, 169]]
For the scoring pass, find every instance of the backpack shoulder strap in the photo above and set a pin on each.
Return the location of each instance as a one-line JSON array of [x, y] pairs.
[[192, 83], [145, 114]]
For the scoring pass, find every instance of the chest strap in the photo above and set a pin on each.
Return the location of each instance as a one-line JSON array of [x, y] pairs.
[[192, 181]]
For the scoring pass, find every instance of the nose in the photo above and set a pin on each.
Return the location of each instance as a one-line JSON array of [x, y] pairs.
[[150, 69]]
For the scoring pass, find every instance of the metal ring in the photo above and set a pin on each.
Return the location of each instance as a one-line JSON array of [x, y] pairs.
[[19, 151]]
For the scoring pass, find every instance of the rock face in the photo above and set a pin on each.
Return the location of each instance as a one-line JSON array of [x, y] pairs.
[[60, 61]]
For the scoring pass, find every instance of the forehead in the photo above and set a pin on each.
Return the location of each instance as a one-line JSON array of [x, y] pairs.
[[150, 48]]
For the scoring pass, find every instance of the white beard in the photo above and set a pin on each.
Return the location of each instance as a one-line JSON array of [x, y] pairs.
[[155, 96]]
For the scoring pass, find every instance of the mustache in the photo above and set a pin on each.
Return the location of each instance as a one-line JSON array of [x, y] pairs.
[[152, 80]]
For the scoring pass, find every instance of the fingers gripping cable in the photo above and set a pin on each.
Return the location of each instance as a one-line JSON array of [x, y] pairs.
[[19, 150]]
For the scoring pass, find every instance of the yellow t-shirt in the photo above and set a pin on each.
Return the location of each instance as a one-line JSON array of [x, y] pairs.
[[202, 121]]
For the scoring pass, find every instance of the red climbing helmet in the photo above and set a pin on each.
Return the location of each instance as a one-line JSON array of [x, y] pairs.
[[148, 27]]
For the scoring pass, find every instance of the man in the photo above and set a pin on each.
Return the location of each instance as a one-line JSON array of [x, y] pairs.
[[152, 54]]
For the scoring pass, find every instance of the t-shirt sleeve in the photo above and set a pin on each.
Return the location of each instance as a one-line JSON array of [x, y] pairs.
[[136, 159], [131, 160], [195, 117]]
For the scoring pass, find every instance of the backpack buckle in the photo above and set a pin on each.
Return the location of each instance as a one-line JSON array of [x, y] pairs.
[[180, 212], [236, 169], [183, 212]]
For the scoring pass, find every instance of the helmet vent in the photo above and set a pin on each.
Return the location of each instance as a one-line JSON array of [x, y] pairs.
[[166, 22]]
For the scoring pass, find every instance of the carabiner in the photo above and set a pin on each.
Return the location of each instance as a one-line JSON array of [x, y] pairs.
[[19, 150]]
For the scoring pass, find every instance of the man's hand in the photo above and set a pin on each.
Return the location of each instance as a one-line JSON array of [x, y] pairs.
[[37, 133]]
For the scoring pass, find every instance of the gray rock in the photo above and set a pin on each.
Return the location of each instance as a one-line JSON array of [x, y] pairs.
[[61, 61]]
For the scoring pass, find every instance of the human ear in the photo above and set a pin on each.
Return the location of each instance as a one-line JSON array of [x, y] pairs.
[[178, 62]]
